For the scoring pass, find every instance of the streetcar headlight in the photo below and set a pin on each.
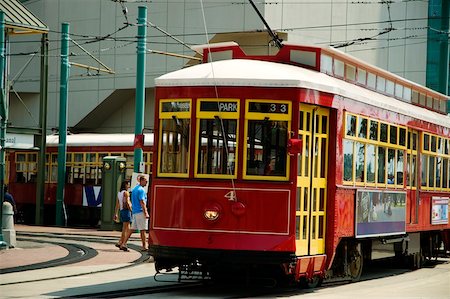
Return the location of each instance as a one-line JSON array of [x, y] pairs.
[[211, 214]]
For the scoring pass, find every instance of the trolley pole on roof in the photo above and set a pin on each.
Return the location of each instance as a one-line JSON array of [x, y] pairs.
[[62, 145], [140, 88], [3, 115]]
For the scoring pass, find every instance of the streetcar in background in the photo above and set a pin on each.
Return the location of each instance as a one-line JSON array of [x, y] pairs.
[[82, 196], [301, 165]]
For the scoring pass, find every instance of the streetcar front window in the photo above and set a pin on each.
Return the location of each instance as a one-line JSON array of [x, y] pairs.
[[174, 145], [266, 148], [217, 146]]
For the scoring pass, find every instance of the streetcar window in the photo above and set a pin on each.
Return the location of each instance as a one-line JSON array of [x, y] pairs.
[[266, 148], [174, 145], [426, 142], [373, 135], [402, 136], [391, 166], [350, 72], [436, 105], [359, 161], [381, 165], [348, 160], [26, 167], [445, 173], [399, 167], [326, 64], [443, 106], [422, 100], [431, 172], [438, 171], [424, 170], [429, 102], [413, 170], [350, 125], [217, 146], [370, 163], [390, 87], [362, 127], [383, 132], [399, 90], [433, 144], [393, 134], [338, 68], [362, 76], [381, 84], [371, 80], [407, 94]]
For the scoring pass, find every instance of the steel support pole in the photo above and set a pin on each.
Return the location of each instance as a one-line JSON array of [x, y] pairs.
[[62, 145], [3, 115], [40, 184], [140, 86]]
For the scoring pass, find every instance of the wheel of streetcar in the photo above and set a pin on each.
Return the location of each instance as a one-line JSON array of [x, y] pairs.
[[315, 282], [355, 263]]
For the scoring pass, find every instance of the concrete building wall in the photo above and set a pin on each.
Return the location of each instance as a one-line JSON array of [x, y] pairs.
[[320, 23]]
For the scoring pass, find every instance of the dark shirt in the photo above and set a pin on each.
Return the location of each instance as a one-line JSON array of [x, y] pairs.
[[9, 198]]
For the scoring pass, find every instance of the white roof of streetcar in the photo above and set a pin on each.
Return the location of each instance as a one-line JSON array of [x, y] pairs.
[[245, 72]]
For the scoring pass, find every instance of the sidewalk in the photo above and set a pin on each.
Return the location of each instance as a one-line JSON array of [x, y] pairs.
[[29, 251]]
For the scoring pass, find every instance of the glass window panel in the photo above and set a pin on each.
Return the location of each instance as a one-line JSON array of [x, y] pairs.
[[390, 87], [371, 80], [414, 139], [324, 124], [408, 169], [348, 160], [422, 99], [381, 84], [415, 97], [383, 132], [360, 161], [370, 163], [438, 172], [440, 145], [391, 166], [436, 105], [445, 173], [424, 171], [433, 143], [398, 90], [429, 102], [326, 64], [399, 167], [350, 72], [174, 145], [381, 165], [362, 127], [413, 170], [362, 74], [426, 142], [373, 135], [338, 68], [393, 134], [431, 173], [266, 148], [321, 226], [407, 94], [350, 125], [402, 136], [217, 146]]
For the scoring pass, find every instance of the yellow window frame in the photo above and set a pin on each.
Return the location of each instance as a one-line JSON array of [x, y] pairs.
[[169, 115], [261, 116], [211, 115]]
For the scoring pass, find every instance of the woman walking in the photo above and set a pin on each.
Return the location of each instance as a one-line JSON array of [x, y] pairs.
[[124, 204]]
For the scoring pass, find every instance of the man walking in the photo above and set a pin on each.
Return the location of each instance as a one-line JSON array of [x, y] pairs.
[[139, 209]]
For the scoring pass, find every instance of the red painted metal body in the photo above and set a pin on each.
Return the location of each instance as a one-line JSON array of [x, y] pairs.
[[263, 216]]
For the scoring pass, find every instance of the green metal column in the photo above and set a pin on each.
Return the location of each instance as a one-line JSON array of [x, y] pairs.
[[3, 114], [140, 84], [40, 184], [62, 145], [113, 173]]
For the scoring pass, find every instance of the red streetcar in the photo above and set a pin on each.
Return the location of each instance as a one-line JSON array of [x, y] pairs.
[[302, 165]]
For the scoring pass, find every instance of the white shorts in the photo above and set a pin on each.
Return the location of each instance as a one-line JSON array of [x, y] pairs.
[[139, 222]]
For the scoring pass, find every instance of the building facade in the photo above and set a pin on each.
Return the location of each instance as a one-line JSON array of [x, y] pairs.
[[392, 35]]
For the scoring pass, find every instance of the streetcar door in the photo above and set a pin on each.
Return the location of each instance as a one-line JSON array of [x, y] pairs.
[[312, 180]]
